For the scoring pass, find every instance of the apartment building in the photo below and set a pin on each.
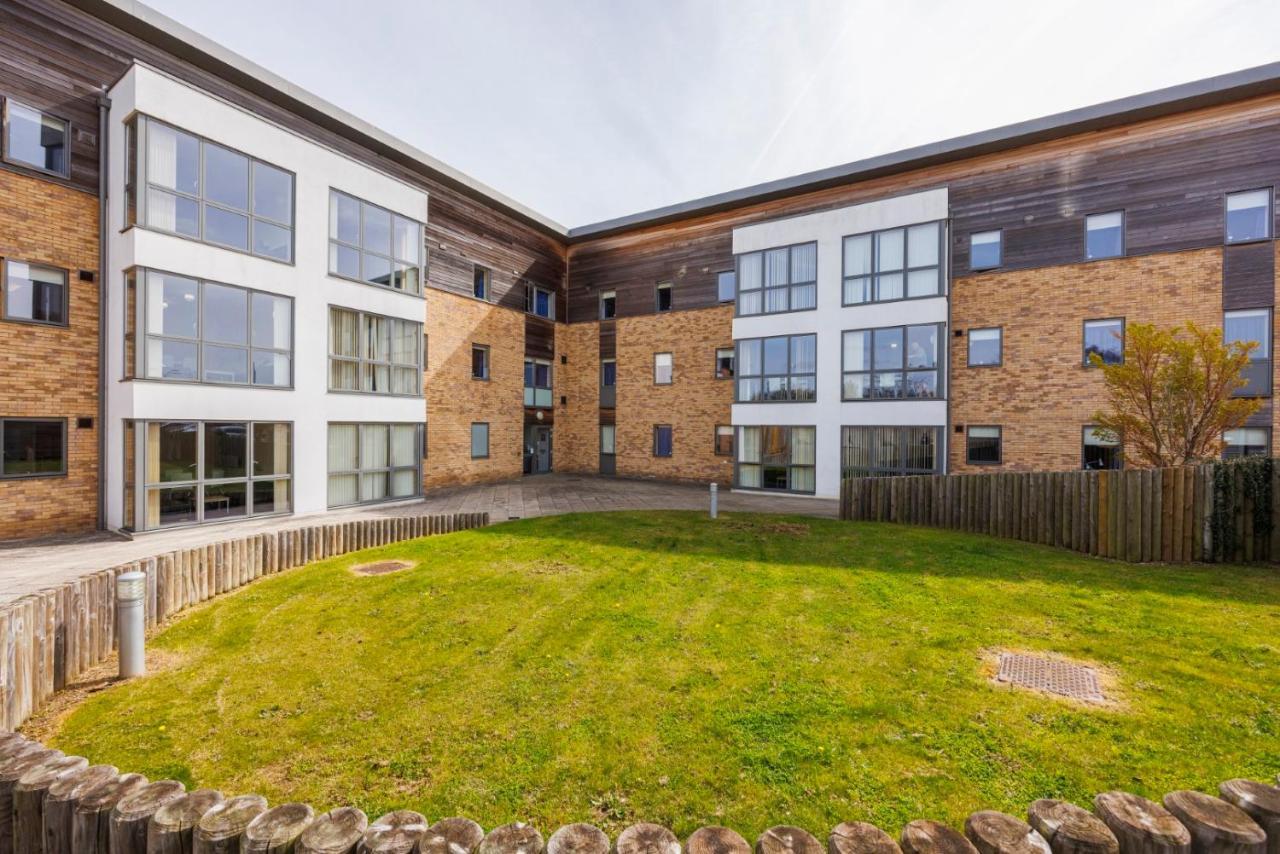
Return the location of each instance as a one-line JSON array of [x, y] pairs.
[[223, 298]]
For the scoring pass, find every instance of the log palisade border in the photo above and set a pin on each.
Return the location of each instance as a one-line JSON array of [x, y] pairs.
[[49, 638]]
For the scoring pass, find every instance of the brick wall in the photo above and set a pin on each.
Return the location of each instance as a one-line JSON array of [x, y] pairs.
[[577, 427], [693, 404], [1042, 396], [48, 371]]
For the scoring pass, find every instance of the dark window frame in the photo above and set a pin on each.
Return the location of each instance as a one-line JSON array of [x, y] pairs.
[[999, 362], [1084, 464], [361, 470], [488, 365], [7, 156], [671, 432], [658, 290], [531, 391], [361, 360], [738, 462], [421, 291], [739, 376], [733, 289], [968, 445], [905, 270], [1124, 234], [1270, 218], [1084, 329], [1267, 348], [62, 422], [939, 450], [939, 367], [672, 366], [608, 296], [999, 232], [733, 368], [482, 276], [733, 435], [790, 286], [4, 293], [531, 292], [471, 438], [1230, 456]]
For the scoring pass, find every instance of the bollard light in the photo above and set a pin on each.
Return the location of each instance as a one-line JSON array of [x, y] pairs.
[[131, 611], [715, 499]]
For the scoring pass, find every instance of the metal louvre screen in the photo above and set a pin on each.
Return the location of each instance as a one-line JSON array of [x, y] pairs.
[[888, 451]]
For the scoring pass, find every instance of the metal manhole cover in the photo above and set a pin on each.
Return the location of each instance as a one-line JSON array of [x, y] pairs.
[[1052, 675], [381, 567]]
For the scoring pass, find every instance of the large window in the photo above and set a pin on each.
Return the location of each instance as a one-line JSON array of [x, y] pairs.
[[373, 245], [1100, 450], [888, 451], [199, 189], [36, 140], [778, 280], [778, 458], [540, 302], [198, 331], [35, 293], [1248, 216], [1247, 442], [782, 368], [983, 446], [893, 363], [1246, 326], [374, 354], [33, 447], [986, 347], [203, 471], [1106, 339], [537, 382], [1104, 235], [898, 263], [373, 462], [986, 250]]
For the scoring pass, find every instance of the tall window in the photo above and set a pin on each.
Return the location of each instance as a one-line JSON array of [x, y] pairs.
[[724, 363], [374, 354], [887, 451], [1245, 326], [608, 383], [480, 277], [199, 189], [777, 280], [983, 446], [726, 285], [540, 302], [663, 443], [1247, 442], [782, 368], [724, 440], [537, 382], [662, 370], [479, 362], [986, 347], [373, 462], [479, 440], [373, 245], [898, 263], [1104, 235], [1100, 451], [778, 458], [1106, 338], [1248, 216], [35, 293], [895, 363], [663, 292], [608, 439], [203, 471], [608, 305], [985, 250], [36, 140], [33, 447]]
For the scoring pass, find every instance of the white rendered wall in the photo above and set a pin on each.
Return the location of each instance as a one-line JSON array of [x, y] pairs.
[[309, 405], [830, 319]]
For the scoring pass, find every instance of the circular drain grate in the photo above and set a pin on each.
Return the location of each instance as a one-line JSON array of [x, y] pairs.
[[381, 567], [1050, 674]]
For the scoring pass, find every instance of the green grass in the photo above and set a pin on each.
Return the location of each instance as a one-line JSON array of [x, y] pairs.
[[662, 667]]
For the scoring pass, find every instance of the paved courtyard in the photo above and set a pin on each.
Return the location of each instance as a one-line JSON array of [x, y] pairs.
[[33, 565]]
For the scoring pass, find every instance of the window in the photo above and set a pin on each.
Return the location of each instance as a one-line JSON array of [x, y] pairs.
[[892, 363], [373, 462], [1246, 442], [777, 369], [899, 263], [1248, 216], [608, 383], [537, 382], [198, 331], [480, 277], [664, 297], [726, 285], [724, 363], [35, 293], [540, 302], [33, 447], [983, 446], [985, 250], [1253, 325], [37, 140], [986, 347], [777, 280], [479, 362], [1106, 339], [777, 458], [1104, 235], [662, 441], [199, 189], [479, 440], [374, 354], [608, 439], [373, 245], [724, 440], [608, 305], [888, 451], [662, 370], [1101, 451]]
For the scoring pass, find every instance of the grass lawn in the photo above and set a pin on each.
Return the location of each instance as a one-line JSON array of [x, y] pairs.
[[663, 667]]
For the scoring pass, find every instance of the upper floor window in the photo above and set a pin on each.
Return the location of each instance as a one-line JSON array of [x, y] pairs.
[[371, 244], [778, 280], [480, 277], [783, 368], [726, 284], [1104, 235], [985, 250], [35, 293], [662, 369], [1106, 338], [33, 447], [724, 363], [1246, 442], [36, 139], [608, 305], [664, 297], [1248, 216], [374, 354], [894, 363], [537, 382], [479, 362], [985, 347], [1245, 326], [190, 186], [899, 263], [540, 301]]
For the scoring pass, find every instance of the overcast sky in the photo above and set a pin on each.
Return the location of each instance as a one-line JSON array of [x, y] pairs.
[[590, 109]]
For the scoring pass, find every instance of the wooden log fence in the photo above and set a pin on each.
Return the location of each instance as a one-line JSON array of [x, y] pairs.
[[49, 638], [1218, 512]]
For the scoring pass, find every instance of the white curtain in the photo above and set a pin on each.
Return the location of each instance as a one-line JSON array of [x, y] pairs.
[[775, 270], [750, 267], [342, 489], [406, 240], [857, 255], [373, 446], [804, 263], [162, 170], [404, 444], [889, 249], [922, 245], [802, 446], [403, 483], [343, 451], [801, 479], [404, 342], [749, 446], [343, 334], [749, 476], [373, 486]]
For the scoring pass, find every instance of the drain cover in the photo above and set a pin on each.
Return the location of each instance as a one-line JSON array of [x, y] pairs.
[[381, 567], [1051, 675]]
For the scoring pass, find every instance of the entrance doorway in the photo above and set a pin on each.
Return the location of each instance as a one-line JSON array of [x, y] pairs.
[[537, 449]]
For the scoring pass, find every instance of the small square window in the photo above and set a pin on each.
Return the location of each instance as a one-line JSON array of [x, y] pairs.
[[479, 362], [664, 297], [36, 140], [726, 285], [724, 363], [1247, 442], [985, 347], [724, 440], [480, 279], [608, 305], [1106, 339], [983, 446], [662, 371], [662, 440], [34, 293], [985, 250], [479, 440], [32, 448], [1248, 216], [1104, 235], [1101, 451]]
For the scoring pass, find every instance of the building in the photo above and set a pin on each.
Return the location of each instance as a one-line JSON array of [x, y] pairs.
[[224, 297]]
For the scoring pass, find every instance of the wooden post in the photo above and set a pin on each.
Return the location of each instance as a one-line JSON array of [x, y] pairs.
[[1216, 827], [91, 822], [716, 840], [1140, 826], [455, 836], [931, 837], [1070, 829], [218, 831], [993, 832], [398, 832], [60, 804], [643, 838], [276, 831], [134, 811], [335, 832], [580, 838], [173, 825], [29, 794], [1262, 804], [859, 837]]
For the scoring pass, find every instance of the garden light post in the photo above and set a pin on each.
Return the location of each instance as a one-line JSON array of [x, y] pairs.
[[715, 498], [131, 589]]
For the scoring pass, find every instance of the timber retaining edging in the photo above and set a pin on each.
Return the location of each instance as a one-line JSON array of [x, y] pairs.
[[49, 638]]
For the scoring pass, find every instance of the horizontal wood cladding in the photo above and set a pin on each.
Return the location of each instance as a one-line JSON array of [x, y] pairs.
[[539, 338], [1249, 275], [608, 339]]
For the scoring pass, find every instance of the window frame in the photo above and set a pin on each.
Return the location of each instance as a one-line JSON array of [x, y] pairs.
[[485, 275], [1084, 436], [1266, 348], [360, 360], [654, 448], [739, 376], [715, 438], [968, 451], [733, 291], [331, 240], [1270, 218], [605, 296], [5, 261], [1124, 234], [999, 232], [905, 270], [24, 419], [7, 156], [658, 290], [549, 388], [939, 451], [600, 440], [671, 365], [531, 291], [732, 350], [360, 471], [488, 363], [471, 438], [968, 348], [1266, 453], [1084, 329], [738, 463], [939, 367], [790, 286]]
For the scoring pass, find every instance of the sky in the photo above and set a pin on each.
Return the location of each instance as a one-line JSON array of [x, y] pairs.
[[586, 110]]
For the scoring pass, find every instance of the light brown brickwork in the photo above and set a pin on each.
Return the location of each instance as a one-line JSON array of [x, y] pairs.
[[577, 427], [454, 400], [1043, 396], [48, 371], [693, 404]]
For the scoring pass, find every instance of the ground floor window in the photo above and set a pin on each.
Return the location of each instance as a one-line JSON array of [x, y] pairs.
[[33, 447], [663, 440], [724, 440], [1101, 451], [889, 451], [983, 447], [1247, 442], [781, 458], [373, 462]]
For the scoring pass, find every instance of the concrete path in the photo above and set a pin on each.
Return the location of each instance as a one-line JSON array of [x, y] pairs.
[[34, 565]]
